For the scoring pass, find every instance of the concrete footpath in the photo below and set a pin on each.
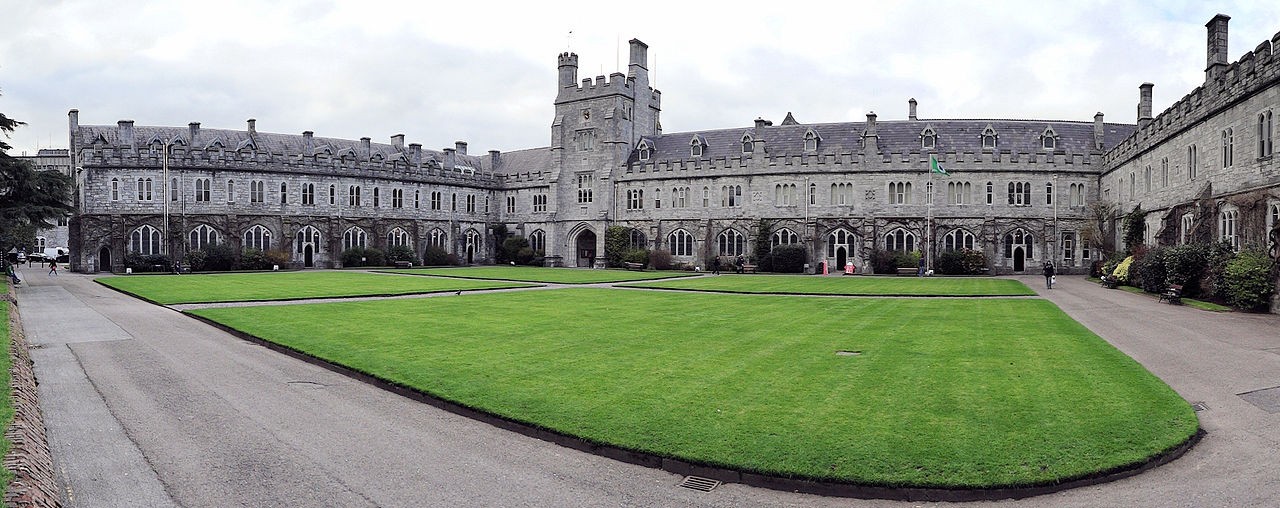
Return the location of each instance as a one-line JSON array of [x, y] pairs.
[[147, 407]]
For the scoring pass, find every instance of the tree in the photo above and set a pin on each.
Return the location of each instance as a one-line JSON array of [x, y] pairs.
[[28, 199], [1099, 231]]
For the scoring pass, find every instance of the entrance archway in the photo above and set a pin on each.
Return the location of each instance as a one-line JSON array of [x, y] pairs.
[[842, 257], [585, 248], [308, 256], [104, 259], [1019, 260]]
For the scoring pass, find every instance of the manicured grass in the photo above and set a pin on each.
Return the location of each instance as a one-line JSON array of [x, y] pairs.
[[945, 393], [1189, 302], [240, 287], [871, 286], [6, 402], [538, 274]]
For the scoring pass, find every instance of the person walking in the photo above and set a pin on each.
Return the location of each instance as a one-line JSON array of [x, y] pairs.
[[920, 271], [1048, 274], [715, 265], [53, 268]]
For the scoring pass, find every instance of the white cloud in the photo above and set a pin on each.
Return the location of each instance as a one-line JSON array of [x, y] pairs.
[[484, 71]]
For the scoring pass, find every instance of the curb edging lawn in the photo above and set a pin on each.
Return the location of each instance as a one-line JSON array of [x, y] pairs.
[[677, 466], [29, 458]]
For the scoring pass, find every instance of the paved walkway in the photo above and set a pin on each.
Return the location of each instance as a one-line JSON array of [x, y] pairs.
[[147, 407]]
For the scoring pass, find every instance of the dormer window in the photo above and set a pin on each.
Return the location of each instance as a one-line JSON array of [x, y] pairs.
[[695, 147], [644, 151], [928, 139], [811, 141], [748, 144], [1049, 139], [988, 138]]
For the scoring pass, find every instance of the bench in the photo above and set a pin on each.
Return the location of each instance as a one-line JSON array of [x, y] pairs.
[[633, 266], [748, 268], [908, 272], [1110, 281], [1172, 294], [404, 264]]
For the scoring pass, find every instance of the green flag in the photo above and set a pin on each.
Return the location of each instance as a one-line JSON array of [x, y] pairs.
[[936, 167]]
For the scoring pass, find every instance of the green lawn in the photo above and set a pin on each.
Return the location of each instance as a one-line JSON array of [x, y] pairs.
[[869, 286], [538, 274], [945, 393], [6, 402], [239, 287]]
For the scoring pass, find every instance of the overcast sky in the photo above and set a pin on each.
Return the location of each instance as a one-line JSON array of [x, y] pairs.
[[485, 72]]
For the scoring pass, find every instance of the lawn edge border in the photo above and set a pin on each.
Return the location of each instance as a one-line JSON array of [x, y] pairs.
[[724, 474], [389, 272], [793, 293], [34, 481], [526, 285]]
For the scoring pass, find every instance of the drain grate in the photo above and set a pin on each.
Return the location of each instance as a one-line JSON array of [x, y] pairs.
[[699, 483], [848, 353], [1199, 406]]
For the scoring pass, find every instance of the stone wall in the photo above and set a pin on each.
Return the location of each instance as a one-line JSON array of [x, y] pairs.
[[34, 483]]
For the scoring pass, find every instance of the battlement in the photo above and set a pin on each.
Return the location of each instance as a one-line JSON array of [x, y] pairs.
[[1228, 84], [851, 161]]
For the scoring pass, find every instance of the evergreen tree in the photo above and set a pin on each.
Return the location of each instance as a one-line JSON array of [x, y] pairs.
[[29, 200]]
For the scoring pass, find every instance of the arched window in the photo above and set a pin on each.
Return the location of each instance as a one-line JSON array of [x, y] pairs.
[[957, 239], [1227, 228], [900, 240], [730, 243], [1018, 238], [115, 189], [636, 239], [397, 237], [538, 242], [438, 238], [811, 141], [308, 235], [354, 237], [257, 237], [1048, 139], [308, 193], [284, 193], [1146, 176], [839, 238], [695, 147], [144, 189], [333, 195], [643, 152], [748, 144], [706, 197], [145, 241], [680, 243], [991, 194], [173, 190], [377, 196], [928, 138], [1048, 193], [231, 191], [989, 138], [202, 236], [784, 236], [813, 193]]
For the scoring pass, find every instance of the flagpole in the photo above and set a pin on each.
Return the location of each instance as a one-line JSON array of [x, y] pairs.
[[928, 220]]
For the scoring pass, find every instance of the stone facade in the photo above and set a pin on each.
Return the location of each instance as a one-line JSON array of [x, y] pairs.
[[1018, 190], [53, 241]]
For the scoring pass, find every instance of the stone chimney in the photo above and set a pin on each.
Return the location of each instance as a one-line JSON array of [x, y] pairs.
[[911, 109], [308, 146], [1098, 131], [253, 127], [415, 154], [461, 147], [495, 158], [1216, 58], [450, 158], [1144, 104], [124, 132], [397, 141], [73, 121], [193, 133], [869, 136], [365, 150]]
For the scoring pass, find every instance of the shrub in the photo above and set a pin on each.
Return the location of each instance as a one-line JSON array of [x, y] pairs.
[[637, 256], [510, 250], [361, 256], [1151, 272], [1249, 280], [788, 258], [400, 253], [617, 241], [436, 256], [661, 260], [220, 257], [882, 261], [961, 262], [194, 260], [253, 259], [149, 263], [1135, 227], [1216, 259], [1185, 265], [1121, 271], [906, 259], [527, 256]]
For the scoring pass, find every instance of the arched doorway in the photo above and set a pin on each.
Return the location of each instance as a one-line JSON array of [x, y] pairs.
[[842, 257], [585, 248], [308, 256], [104, 259], [1018, 248], [1019, 260]]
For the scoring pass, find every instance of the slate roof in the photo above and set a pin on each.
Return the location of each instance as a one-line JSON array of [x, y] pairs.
[[523, 161], [1015, 136], [283, 144]]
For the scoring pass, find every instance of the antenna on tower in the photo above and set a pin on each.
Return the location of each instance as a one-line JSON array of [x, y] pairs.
[[568, 41], [617, 52]]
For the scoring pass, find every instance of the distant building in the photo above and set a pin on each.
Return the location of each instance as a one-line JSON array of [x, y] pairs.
[[1019, 190], [51, 242]]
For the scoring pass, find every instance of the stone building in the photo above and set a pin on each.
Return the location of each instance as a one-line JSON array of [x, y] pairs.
[[1018, 189], [51, 242]]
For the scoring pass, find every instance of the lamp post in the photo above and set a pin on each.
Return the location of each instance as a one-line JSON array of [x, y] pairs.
[[1057, 237]]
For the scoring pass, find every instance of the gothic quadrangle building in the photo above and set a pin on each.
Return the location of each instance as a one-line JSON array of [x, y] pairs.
[[1019, 190]]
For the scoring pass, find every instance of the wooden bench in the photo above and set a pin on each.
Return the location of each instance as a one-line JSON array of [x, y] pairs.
[[1172, 294], [1110, 281], [404, 264], [633, 266], [748, 268], [908, 272]]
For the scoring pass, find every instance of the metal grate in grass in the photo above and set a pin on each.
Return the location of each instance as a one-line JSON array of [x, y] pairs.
[[699, 483], [848, 353]]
